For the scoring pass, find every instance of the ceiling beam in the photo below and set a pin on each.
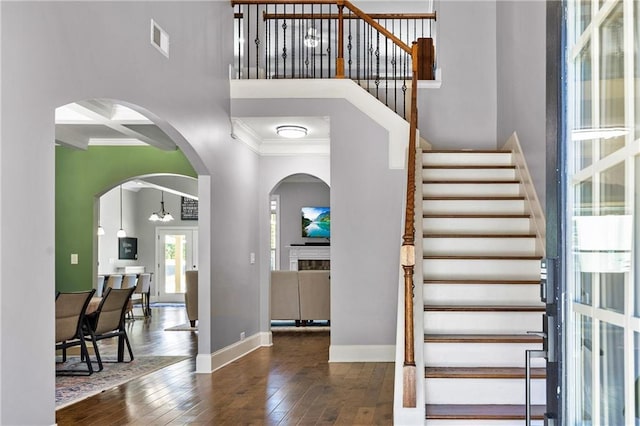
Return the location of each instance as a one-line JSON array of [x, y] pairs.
[[101, 115], [70, 138]]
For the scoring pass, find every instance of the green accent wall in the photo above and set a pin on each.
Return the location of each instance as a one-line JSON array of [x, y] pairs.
[[81, 176]]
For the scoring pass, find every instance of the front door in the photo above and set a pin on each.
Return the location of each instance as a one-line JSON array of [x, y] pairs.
[[177, 253], [601, 157]]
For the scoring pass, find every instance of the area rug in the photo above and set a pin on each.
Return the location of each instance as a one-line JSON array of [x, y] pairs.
[[167, 305], [289, 326], [71, 389], [182, 327]]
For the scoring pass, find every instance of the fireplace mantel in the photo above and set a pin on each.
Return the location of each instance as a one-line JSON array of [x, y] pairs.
[[297, 252]]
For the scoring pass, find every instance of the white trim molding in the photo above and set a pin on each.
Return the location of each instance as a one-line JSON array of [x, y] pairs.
[[208, 363], [397, 127], [362, 353]]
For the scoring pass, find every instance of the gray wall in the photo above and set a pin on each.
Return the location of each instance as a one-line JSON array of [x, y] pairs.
[[463, 112], [293, 196], [521, 42], [366, 218], [58, 52]]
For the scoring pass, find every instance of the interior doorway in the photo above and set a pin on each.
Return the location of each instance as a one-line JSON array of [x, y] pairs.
[[176, 252]]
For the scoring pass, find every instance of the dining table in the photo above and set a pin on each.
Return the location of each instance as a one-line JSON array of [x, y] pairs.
[[146, 297]]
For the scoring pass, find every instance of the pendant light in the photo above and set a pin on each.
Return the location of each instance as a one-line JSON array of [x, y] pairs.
[[100, 228], [121, 233], [162, 215]]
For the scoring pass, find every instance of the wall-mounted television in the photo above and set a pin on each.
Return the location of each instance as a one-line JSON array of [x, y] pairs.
[[316, 222]]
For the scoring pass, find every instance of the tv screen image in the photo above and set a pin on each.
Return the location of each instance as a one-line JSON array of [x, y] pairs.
[[316, 222]]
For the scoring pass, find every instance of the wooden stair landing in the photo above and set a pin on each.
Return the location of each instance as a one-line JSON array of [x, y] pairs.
[[482, 412]]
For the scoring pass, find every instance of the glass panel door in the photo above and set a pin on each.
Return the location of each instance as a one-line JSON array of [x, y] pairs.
[[601, 251], [177, 253]]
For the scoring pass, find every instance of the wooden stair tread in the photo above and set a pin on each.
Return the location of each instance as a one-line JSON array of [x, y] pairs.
[[468, 166], [443, 235], [471, 182], [473, 198], [516, 282], [482, 373], [482, 412], [488, 257], [482, 338], [465, 151], [475, 216], [484, 308]]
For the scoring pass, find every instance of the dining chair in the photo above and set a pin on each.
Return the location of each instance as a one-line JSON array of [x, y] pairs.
[[142, 293], [128, 281], [100, 286], [114, 281], [70, 315], [108, 321]]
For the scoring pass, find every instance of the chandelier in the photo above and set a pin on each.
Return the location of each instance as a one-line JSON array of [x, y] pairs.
[[162, 215]]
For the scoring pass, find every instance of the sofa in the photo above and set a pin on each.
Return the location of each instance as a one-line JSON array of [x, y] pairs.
[[300, 295]]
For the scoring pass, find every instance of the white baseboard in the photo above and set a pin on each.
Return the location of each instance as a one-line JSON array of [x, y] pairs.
[[362, 353], [208, 363]]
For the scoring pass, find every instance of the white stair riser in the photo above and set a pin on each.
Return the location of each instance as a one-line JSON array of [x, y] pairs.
[[471, 189], [473, 206], [443, 422], [480, 354], [481, 322], [478, 294], [476, 225], [483, 391], [510, 269], [466, 158], [469, 174], [479, 246]]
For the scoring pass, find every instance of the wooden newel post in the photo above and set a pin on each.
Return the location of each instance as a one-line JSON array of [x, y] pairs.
[[340, 57], [426, 59]]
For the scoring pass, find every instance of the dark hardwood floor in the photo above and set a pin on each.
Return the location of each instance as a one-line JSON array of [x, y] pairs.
[[290, 383]]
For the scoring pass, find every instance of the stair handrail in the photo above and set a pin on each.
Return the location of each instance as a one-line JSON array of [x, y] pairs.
[[407, 250]]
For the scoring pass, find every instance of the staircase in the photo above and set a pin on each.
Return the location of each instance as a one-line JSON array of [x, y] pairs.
[[481, 291]]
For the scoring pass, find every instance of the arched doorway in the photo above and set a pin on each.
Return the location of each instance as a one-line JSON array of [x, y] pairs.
[[299, 252]]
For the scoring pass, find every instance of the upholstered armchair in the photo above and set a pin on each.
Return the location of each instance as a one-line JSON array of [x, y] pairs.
[[191, 296]]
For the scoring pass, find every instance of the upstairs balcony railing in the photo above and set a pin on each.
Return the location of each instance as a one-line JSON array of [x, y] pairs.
[[332, 39], [385, 54]]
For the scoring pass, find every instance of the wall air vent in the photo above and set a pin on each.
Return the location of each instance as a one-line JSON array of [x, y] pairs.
[[159, 38]]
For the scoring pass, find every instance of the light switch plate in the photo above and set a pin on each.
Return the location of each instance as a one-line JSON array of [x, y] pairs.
[[74, 258]]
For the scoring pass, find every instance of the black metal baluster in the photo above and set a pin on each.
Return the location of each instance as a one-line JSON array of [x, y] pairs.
[[377, 54], [386, 68], [247, 55], [394, 62], [358, 34], [276, 50], [267, 37], [321, 43], [349, 43], [330, 63], [239, 24], [284, 46], [293, 45], [257, 42]]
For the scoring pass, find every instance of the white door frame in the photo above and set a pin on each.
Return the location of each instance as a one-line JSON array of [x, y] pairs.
[[158, 261]]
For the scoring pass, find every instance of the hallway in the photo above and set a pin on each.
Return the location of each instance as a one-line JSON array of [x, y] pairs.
[[290, 383]]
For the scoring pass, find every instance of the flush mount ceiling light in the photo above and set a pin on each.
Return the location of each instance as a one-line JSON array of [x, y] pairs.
[[162, 215], [291, 131], [598, 133]]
